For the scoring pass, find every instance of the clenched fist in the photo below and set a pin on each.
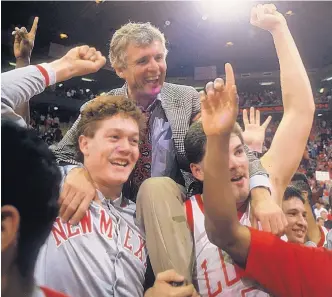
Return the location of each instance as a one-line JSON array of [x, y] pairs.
[[267, 17], [78, 61]]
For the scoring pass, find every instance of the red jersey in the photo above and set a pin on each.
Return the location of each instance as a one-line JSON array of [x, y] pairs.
[[288, 269]]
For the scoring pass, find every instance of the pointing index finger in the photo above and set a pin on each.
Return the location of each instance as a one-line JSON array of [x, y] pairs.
[[34, 26], [230, 79]]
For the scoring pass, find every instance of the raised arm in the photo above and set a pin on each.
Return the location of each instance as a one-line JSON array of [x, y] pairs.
[[23, 46], [23, 43], [219, 110], [20, 85], [284, 156]]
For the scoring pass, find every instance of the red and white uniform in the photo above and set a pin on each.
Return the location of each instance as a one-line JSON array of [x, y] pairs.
[[215, 274]]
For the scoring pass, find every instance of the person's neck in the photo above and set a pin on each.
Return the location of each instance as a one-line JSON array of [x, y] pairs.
[[110, 192], [242, 206], [140, 99], [16, 285]]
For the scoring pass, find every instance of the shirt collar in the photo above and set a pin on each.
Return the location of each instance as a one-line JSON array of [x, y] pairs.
[[151, 106], [118, 202]]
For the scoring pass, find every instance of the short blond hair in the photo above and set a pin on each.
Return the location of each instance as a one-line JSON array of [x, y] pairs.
[[141, 34]]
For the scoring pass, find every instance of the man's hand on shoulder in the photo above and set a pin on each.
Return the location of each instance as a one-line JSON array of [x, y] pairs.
[[77, 193], [163, 286], [267, 212]]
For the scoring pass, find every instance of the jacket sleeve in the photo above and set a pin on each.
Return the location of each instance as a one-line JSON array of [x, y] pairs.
[[65, 150], [19, 86], [258, 175]]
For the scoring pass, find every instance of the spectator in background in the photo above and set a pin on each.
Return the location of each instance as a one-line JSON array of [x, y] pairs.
[[56, 122], [57, 135], [319, 208], [317, 191], [320, 221]]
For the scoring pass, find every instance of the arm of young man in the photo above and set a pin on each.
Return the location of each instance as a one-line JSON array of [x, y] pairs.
[[23, 46], [314, 233], [19, 85], [294, 128]]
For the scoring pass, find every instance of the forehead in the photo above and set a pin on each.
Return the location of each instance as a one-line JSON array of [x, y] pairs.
[[135, 51], [234, 141], [293, 203], [120, 123]]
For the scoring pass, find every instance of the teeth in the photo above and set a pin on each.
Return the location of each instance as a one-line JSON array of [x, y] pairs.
[[120, 163], [152, 78]]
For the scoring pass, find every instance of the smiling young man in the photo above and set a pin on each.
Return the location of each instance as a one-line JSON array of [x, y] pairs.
[[296, 215], [302, 227], [95, 257], [105, 254], [138, 55]]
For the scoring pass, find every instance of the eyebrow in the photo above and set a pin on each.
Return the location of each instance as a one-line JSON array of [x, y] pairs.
[[120, 131], [293, 209], [238, 146], [147, 56]]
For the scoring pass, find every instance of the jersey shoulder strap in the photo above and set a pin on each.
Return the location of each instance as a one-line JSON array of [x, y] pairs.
[[197, 199], [190, 215]]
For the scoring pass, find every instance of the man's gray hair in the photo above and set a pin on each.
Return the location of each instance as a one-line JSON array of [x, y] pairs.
[[141, 34]]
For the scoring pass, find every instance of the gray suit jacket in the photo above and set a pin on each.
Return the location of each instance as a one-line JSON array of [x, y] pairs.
[[181, 104]]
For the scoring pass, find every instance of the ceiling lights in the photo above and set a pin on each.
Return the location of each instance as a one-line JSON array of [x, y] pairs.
[[289, 13]]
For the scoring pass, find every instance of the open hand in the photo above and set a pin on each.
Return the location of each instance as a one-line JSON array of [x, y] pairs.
[[254, 132], [219, 106]]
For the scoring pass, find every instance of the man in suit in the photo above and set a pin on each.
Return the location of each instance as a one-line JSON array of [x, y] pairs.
[[138, 55]]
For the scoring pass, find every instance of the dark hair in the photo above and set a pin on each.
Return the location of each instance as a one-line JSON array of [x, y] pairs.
[[301, 182], [293, 192], [195, 140], [30, 182]]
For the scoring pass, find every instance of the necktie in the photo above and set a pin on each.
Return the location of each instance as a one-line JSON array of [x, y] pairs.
[[142, 171]]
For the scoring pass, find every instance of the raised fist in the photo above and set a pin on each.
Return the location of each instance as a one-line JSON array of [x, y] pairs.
[[267, 17]]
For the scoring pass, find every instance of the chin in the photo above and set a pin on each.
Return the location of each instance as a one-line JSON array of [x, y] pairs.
[[296, 240], [118, 181]]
